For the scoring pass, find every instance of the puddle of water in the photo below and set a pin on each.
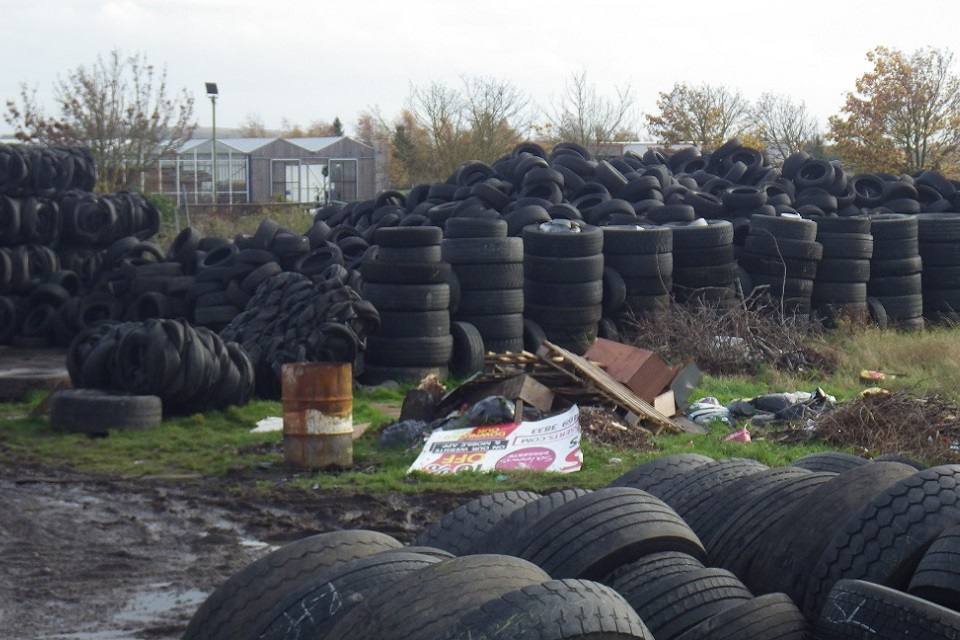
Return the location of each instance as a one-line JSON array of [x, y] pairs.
[[158, 599]]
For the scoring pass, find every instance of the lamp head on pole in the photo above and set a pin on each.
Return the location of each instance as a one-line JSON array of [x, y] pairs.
[[212, 89]]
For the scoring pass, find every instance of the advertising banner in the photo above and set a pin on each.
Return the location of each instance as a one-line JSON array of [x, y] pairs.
[[552, 444]]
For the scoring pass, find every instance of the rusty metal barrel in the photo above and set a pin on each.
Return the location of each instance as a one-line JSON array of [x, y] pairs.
[[317, 414]]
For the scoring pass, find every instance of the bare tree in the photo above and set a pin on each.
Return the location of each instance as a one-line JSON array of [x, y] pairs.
[[705, 115], [496, 113], [119, 107], [783, 125], [584, 116]]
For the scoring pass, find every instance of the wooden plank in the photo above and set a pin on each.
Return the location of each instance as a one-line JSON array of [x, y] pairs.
[[615, 390]]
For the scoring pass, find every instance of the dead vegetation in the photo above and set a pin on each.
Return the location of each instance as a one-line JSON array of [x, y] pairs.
[[926, 428], [739, 340], [603, 429]]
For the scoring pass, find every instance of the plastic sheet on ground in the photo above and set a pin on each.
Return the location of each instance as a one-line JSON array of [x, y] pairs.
[[551, 444]]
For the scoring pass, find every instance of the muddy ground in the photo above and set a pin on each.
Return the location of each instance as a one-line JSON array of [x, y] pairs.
[[85, 556]]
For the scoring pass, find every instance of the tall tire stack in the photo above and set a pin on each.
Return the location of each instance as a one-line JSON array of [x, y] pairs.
[[939, 242], [560, 294], [489, 269], [704, 266], [409, 286], [641, 256], [840, 286], [780, 253], [895, 270]]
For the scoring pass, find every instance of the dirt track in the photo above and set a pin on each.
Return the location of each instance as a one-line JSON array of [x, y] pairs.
[[99, 558]]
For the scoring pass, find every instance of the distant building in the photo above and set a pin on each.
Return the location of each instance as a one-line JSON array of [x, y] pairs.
[[264, 170]]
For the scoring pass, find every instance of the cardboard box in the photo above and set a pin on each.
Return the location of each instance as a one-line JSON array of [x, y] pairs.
[[640, 370]]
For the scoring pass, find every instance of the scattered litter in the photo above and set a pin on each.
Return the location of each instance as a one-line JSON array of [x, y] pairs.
[[615, 460], [868, 375], [708, 410], [268, 425], [740, 435], [405, 433]]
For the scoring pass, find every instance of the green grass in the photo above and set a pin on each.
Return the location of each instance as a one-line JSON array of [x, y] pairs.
[[219, 444]]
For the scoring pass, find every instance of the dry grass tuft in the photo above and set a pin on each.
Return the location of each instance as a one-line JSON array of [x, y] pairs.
[[742, 340], [919, 427]]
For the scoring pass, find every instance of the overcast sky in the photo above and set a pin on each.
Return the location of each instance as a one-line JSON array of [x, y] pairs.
[[307, 60]]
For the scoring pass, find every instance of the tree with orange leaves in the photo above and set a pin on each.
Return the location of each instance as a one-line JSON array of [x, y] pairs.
[[904, 115]]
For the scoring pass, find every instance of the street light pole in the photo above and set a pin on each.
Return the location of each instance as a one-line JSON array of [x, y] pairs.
[[212, 92]]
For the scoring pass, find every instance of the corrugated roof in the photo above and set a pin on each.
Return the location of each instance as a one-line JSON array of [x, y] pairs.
[[240, 145], [315, 144]]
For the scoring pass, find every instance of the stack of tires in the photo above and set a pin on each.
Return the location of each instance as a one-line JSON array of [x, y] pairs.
[[560, 295], [409, 286], [704, 265], [939, 242], [895, 286], [488, 267], [642, 257], [840, 286], [780, 253]]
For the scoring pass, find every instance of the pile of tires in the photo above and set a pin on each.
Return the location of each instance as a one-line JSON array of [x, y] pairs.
[[939, 245], [780, 254], [559, 294], [409, 286], [895, 285], [840, 285], [640, 258], [488, 269], [189, 369], [704, 265]]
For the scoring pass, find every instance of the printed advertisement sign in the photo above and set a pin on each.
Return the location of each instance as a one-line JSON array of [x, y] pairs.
[[552, 444]]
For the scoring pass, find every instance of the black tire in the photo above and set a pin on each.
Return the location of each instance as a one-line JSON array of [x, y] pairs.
[[564, 294], [884, 541], [508, 275], [766, 265], [533, 335], [463, 530], [687, 491], [670, 605], [587, 242], [502, 537], [591, 536], [637, 239], [375, 271], [563, 316], [411, 324], [839, 293], [654, 474], [843, 270], [769, 617], [94, 411], [254, 590], [829, 461], [783, 287], [546, 269], [730, 544], [409, 352], [704, 257], [893, 226], [427, 602], [938, 278], [783, 248], [939, 254], [377, 374], [409, 254], [785, 558], [468, 350], [937, 576], [687, 236], [407, 297], [782, 227], [720, 275], [317, 605], [854, 246], [938, 227], [464, 227], [642, 265], [614, 290], [708, 511], [900, 307], [856, 610], [553, 610], [482, 250], [492, 301], [404, 237]]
